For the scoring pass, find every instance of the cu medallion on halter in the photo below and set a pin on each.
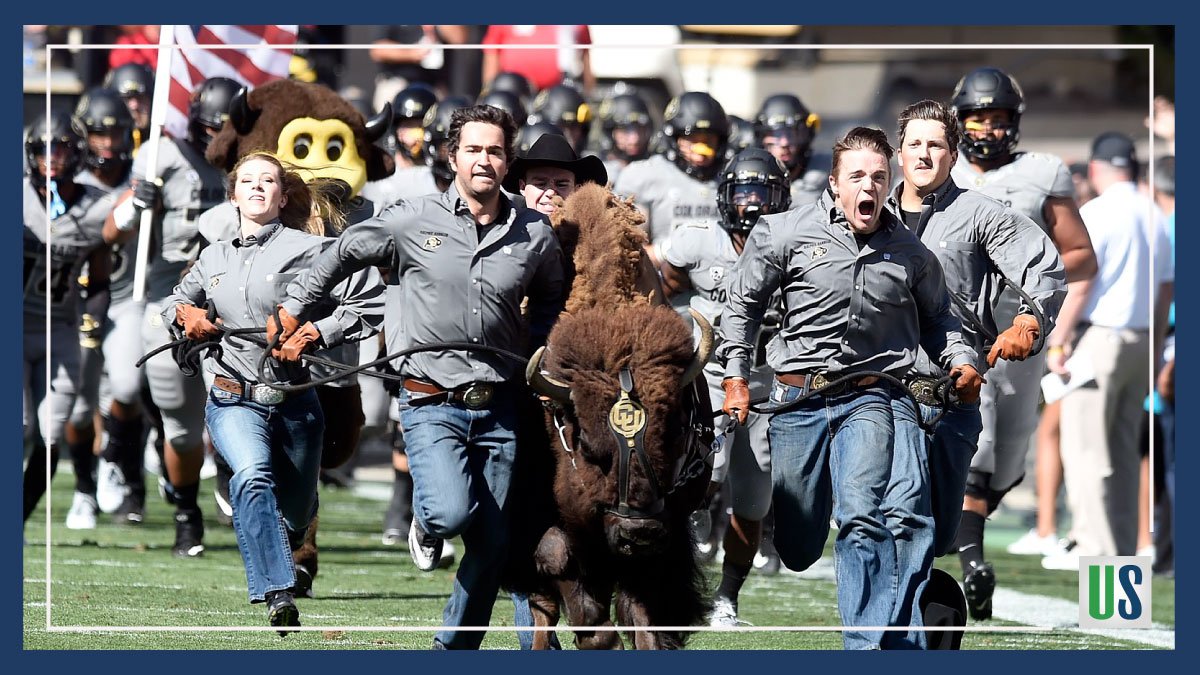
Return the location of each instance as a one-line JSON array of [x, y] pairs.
[[627, 417]]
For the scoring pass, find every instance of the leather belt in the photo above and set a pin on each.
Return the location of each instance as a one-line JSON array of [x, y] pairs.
[[807, 382], [473, 395], [259, 393], [924, 389]]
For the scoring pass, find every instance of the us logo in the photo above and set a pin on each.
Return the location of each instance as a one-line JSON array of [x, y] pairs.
[[818, 252], [431, 243], [626, 417], [1114, 592], [717, 273], [215, 281]]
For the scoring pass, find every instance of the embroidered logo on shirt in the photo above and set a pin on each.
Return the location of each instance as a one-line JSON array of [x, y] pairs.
[[431, 243], [215, 281], [818, 252], [887, 256], [717, 273]]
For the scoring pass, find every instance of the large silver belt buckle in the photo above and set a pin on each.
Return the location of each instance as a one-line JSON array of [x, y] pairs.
[[266, 394], [477, 395], [923, 391]]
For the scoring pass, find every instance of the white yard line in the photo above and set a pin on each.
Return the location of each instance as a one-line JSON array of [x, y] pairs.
[[1038, 610]]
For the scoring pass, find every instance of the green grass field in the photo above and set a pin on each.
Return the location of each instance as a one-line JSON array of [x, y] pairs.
[[118, 587]]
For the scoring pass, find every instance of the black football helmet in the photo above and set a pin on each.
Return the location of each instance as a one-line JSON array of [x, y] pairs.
[[101, 110], [57, 131], [412, 103], [564, 107], [129, 79], [528, 135], [753, 179], [437, 133], [511, 82], [741, 135], [781, 113], [625, 110], [209, 109], [507, 101], [691, 112], [989, 89]]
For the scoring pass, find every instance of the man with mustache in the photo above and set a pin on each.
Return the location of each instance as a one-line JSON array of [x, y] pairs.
[[860, 293], [464, 260], [974, 237]]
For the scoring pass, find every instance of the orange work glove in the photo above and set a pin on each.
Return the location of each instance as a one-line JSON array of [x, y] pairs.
[[967, 383], [290, 324], [1015, 343], [194, 320], [304, 336], [737, 398]]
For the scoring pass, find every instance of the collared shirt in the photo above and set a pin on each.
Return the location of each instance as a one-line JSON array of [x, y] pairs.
[[247, 277], [846, 310], [1123, 228], [455, 286], [974, 237]]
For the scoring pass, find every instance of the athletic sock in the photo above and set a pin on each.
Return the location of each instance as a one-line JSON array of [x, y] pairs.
[[732, 578], [185, 497], [83, 461], [969, 542]]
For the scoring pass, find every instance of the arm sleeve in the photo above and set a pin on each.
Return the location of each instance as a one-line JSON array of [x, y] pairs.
[[359, 311], [941, 331], [546, 294], [369, 243], [758, 274], [1025, 255], [190, 289]]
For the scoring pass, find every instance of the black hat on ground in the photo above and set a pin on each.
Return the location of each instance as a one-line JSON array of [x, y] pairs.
[[555, 150]]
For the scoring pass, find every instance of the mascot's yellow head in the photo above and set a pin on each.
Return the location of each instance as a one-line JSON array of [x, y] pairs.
[[309, 126]]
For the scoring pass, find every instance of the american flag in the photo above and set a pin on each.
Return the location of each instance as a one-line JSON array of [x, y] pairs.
[[252, 66]]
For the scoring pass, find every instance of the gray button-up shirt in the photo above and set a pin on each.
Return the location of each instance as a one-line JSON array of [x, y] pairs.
[[455, 286], [975, 238], [846, 310], [247, 277]]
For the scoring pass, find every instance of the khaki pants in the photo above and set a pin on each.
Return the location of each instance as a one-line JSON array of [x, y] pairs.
[[1099, 441]]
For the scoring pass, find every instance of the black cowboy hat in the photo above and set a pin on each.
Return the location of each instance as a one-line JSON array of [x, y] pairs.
[[555, 150]]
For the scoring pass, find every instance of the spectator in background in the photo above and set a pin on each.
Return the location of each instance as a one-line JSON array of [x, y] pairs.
[[543, 67], [136, 35], [1083, 189], [409, 54], [1164, 403], [1100, 460]]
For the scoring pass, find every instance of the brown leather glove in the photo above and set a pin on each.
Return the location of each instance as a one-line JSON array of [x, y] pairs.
[[1015, 343], [290, 324], [737, 398], [304, 336], [194, 320], [967, 383]]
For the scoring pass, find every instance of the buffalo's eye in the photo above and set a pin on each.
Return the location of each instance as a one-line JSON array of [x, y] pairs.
[[301, 146], [334, 148]]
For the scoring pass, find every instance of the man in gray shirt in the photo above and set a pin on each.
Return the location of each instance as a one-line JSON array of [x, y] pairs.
[[464, 261], [860, 293], [974, 237]]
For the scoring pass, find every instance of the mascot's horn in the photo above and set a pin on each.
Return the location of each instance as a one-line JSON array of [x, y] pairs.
[[378, 125], [544, 384], [703, 350], [240, 114]]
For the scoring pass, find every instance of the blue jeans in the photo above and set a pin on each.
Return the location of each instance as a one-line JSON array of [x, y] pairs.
[[275, 454], [907, 507], [954, 443], [461, 462], [834, 454]]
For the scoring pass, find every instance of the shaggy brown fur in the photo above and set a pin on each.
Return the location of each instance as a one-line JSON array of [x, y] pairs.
[[600, 234], [613, 320], [282, 101]]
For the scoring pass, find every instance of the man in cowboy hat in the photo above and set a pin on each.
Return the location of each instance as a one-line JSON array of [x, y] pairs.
[[551, 169]]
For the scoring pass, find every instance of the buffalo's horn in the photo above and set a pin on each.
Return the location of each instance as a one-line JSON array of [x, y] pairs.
[[378, 125], [703, 350], [544, 385], [240, 113]]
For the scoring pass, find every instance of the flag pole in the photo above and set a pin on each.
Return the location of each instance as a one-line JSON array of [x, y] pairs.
[[158, 116]]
